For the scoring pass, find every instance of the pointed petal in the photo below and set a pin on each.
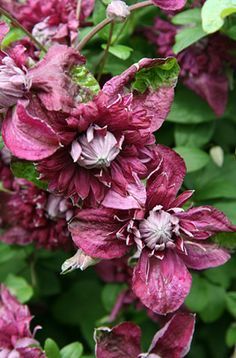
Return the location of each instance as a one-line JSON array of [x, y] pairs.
[[122, 341], [174, 339], [161, 285], [203, 256], [164, 184], [27, 137], [182, 199], [94, 231]]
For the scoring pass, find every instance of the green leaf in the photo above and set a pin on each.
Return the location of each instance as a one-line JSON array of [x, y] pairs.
[[191, 16], [215, 303], [81, 306], [188, 108], [13, 35], [195, 135], [187, 36], [120, 51], [160, 75], [110, 293], [214, 13], [231, 303], [227, 240], [231, 335], [88, 85], [26, 170], [194, 158], [73, 350], [51, 349], [196, 300], [1, 142], [19, 287]]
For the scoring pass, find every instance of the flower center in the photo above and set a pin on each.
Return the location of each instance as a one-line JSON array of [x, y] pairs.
[[95, 149], [157, 230]]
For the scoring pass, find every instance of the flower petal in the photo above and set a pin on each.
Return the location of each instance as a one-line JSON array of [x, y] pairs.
[[161, 285], [26, 136], [94, 231], [203, 256], [174, 339], [169, 5], [164, 184], [122, 341]]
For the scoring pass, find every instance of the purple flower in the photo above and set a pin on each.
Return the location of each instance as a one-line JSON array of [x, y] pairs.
[[101, 151], [171, 341], [16, 339], [169, 239], [202, 64], [31, 215]]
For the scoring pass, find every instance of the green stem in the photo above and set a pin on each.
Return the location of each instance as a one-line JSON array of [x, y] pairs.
[[105, 22], [104, 57], [17, 24]]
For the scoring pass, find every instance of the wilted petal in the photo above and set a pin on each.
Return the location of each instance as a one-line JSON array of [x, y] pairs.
[[94, 231], [51, 80], [156, 103], [79, 260], [122, 341], [26, 136], [165, 182], [169, 4], [203, 256], [174, 339], [161, 285]]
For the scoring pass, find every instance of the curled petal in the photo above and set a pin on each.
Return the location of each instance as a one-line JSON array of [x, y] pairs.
[[203, 256], [122, 341], [161, 285]]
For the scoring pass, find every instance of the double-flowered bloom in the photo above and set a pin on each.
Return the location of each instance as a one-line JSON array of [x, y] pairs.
[[16, 339], [168, 239]]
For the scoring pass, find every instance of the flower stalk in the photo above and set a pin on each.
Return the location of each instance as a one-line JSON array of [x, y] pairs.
[[107, 21]]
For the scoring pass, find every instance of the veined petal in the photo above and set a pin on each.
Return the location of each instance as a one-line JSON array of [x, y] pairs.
[[161, 285], [169, 5], [203, 256]]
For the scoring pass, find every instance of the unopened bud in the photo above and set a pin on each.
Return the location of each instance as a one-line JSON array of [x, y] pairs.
[[217, 155], [118, 11], [79, 260]]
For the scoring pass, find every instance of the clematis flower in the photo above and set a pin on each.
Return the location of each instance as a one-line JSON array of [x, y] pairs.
[[29, 214], [169, 239], [51, 21], [173, 340], [202, 64], [169, 5], [16, 339], [104, 147]]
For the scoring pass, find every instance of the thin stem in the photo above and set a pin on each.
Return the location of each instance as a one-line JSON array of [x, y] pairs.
[[17, 24], [78, 9], [107, 21], [104, 58]]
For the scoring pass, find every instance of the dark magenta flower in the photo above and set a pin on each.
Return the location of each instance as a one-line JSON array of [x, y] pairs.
[[102, 150], [173, 340], [203, 64], [31, 215], [169, 239], [16, 339]]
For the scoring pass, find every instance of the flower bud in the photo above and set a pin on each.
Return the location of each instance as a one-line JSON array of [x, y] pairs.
[[118, 11], [217, 155], [79, 260]]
